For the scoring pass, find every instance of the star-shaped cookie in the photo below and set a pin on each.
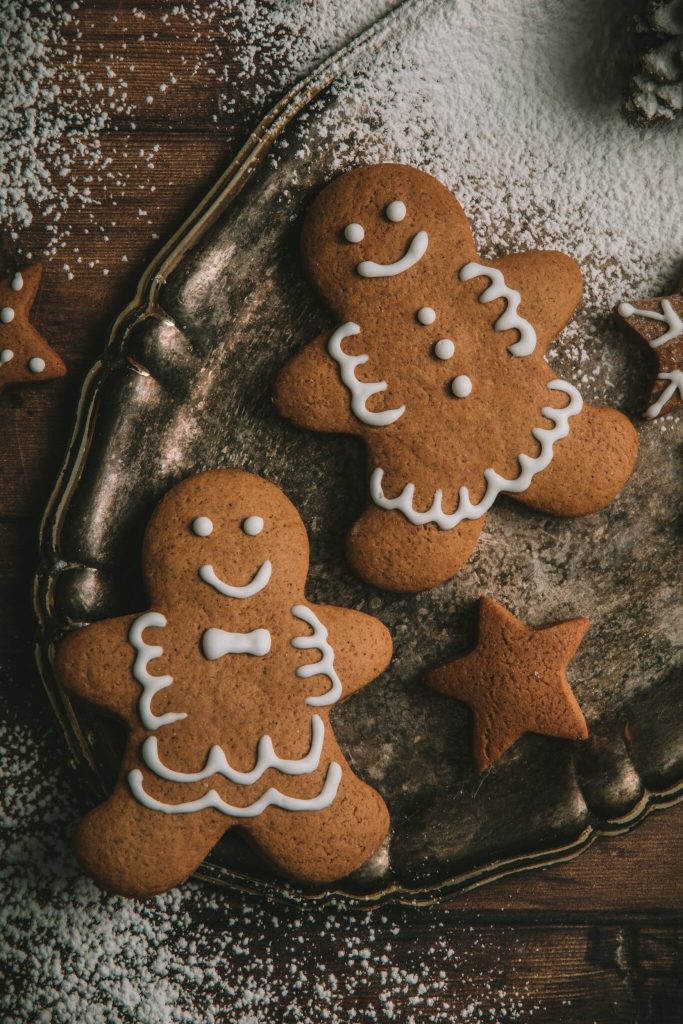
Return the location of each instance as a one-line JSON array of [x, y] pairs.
[[514, 681], [25, 356], [658, 325]]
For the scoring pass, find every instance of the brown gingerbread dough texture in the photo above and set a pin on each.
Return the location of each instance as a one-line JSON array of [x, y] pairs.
[[437, 363], [514, 681], [225, 686], [25, 356]]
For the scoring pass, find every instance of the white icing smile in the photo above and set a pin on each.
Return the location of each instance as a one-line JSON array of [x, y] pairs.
[[495, 483], [259, 581], [412, 255]]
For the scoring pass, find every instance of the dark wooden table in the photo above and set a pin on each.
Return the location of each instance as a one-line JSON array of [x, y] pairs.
[[601, 936]]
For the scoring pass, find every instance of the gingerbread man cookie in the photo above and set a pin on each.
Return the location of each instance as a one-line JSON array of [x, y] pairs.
[[25, 356], [225, 686], [437, 363]]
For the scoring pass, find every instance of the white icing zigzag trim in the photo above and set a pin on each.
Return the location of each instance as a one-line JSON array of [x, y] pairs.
[[325, 665], [360, 390], [676, 379], [413, 255], [259, 581], [151, 685], [510, 320], [212, 801], [495, 484], [217, 763]]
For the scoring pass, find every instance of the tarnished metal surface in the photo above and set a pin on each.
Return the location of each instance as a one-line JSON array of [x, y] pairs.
[[184, 385]]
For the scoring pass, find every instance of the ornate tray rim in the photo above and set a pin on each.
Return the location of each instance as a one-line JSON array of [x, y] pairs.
[[50, 566]]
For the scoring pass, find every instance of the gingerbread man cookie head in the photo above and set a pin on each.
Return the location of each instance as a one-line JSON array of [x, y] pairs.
[[210, 542], [374, 229]]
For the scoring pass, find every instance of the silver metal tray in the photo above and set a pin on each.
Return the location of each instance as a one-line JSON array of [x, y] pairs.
[[184, 385]]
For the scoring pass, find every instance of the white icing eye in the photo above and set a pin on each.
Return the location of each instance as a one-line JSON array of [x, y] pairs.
[[444, 349], [426, 315], [202, 526], [354, 233], [461, 386], [396, 211], [6, 355], [253, 525], [36, 365], [7, 314]]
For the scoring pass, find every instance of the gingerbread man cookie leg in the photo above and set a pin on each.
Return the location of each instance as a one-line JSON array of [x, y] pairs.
[[324, 846], [391, 553], [134, 851]]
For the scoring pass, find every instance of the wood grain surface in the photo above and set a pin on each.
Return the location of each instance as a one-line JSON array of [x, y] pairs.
[[601, 936]]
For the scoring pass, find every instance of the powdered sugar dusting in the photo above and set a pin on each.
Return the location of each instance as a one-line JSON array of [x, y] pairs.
[[75, 131], [71, 953]]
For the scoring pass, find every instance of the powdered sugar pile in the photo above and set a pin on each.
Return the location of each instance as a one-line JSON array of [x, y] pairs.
[[70, 953]]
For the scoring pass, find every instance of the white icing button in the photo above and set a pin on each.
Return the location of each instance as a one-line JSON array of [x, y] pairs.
[[461, 386], [426, 315], [354, 233], [252, 526], [202, 526], [36, 365], [6, 355], [444, 349], [7, 315], [396, 211], [17, 283]]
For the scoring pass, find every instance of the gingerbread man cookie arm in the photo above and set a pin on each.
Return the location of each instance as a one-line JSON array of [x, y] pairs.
[[309, 391], [362, 646], [94, 663], [119, 842], [549, 286], [605, 440]]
